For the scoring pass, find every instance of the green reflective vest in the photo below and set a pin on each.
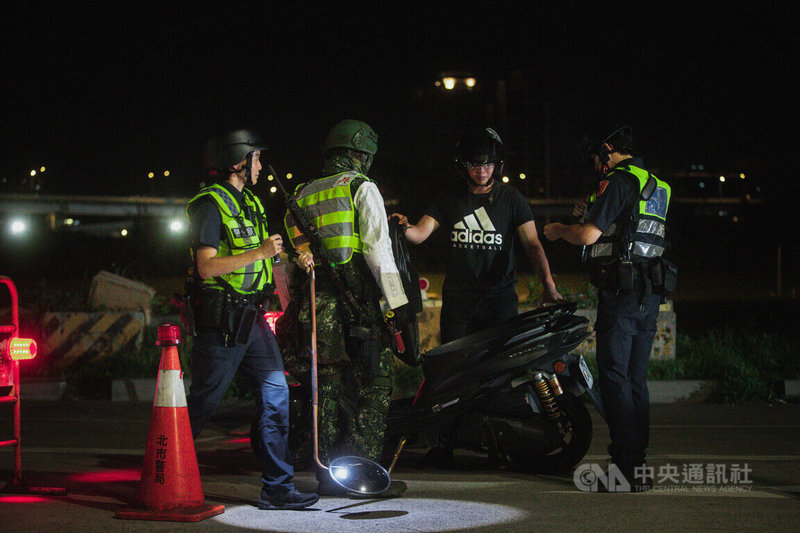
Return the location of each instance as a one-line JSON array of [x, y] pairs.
[[641, 236], [328, 204], [241, 234]]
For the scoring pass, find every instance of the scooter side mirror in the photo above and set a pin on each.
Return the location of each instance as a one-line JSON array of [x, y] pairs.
[[360, 475]]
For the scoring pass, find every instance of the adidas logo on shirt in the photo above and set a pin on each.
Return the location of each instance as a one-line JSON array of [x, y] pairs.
[[476, 231]]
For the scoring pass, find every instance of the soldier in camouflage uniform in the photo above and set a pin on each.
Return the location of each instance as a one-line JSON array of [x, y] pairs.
[[355, 359]]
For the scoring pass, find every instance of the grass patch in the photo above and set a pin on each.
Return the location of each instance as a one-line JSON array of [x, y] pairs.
[[748, 365]]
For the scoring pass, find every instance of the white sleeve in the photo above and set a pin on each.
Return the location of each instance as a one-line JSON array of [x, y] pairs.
[[377, 246]]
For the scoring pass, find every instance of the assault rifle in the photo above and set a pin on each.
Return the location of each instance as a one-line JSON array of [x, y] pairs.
[[318, 249]]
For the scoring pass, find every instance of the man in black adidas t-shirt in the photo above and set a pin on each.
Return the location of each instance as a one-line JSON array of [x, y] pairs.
[[482, 220]]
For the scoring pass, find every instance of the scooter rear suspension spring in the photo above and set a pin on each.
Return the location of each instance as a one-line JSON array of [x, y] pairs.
[[546, 396]]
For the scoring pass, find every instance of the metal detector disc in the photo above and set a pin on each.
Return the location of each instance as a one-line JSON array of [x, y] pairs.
[[359, 475]]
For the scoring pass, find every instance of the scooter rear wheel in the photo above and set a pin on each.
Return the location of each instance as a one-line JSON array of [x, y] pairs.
[[570, 439]]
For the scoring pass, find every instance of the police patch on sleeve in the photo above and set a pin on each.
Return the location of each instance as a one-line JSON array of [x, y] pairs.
[[602, 187]]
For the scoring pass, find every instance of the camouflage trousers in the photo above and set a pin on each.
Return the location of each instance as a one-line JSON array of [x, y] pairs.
[[354, 389], [353, 402]]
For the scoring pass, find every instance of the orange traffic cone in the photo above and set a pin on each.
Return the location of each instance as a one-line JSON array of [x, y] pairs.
[[170, 487]]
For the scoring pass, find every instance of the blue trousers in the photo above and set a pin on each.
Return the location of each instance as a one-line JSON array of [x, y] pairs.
[[213, 368], [625, 332]]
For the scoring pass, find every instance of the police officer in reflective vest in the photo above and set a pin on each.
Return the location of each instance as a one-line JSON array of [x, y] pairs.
[[625, 229], [232, 253], [356, 361]]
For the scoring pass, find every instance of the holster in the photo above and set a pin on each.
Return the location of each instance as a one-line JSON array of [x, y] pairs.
[[664, 275], [185, 305], [240, 320], [209, 308], [232, 316], [364, 345]]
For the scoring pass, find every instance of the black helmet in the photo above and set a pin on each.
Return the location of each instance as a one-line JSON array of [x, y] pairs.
[[227, 149], [620, 140], [480, 146]]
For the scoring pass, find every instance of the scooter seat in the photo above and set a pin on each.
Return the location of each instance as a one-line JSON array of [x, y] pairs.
[[524, 322]]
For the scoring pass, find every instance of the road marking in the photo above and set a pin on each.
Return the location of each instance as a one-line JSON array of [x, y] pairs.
[[703, 490], [726, 426], [80, 451], [590, 458]]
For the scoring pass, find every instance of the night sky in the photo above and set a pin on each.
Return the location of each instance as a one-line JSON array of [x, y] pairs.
[[102, 96]]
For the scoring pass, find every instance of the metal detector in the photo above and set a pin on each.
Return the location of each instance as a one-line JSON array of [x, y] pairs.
[[355, 474]]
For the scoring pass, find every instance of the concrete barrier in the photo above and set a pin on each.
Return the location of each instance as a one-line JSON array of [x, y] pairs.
[[663, 345], [74, 338]]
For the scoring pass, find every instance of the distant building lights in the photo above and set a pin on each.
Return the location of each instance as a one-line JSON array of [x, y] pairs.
[[722, 179], [522, 176], [124, 232], [505, 179], [741, 176], [33, 173], [273, 190], [289, 176], [449, 83], [166, 173], [151, 175], [469, 82]]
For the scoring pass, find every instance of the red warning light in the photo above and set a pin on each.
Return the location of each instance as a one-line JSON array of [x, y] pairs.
[[20, 349], [423, 284]]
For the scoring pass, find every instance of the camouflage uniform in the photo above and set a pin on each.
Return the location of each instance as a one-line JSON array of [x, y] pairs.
[[354, 378], [354, 388]]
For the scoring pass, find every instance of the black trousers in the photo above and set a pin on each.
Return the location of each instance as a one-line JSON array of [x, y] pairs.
[[464, 314], [625, 331]]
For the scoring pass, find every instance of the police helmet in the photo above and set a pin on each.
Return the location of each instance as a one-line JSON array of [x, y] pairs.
[[480, 146], [353, 135], [227, 149], [620, 140]]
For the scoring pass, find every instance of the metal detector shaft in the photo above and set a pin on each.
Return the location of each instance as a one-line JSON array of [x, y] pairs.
[[314, 382]]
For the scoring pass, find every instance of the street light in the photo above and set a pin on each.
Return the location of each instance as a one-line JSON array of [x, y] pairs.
[[176, 225], [18, 226], [452, 81]]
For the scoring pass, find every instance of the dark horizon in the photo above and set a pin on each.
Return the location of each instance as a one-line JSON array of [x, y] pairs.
[[102, 98]]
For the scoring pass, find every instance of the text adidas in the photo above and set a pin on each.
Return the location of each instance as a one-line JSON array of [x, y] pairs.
[[476, 237]]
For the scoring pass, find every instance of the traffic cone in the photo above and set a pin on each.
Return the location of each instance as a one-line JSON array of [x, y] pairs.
[[170, 487]]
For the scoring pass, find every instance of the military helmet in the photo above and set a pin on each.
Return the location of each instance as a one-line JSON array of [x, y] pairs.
[[352, 134], [479, 146], [227, 149]]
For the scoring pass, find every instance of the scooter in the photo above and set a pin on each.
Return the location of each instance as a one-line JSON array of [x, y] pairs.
[[513, 392]]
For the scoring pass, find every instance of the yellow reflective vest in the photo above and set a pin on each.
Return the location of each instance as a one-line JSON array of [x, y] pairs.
[[640, 236], [240, 235], [328, 204]]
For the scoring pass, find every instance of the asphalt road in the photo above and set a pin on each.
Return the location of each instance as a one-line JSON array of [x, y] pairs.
[[716, 467]]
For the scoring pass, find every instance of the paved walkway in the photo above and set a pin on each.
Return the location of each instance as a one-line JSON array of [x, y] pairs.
[[720, 467]]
